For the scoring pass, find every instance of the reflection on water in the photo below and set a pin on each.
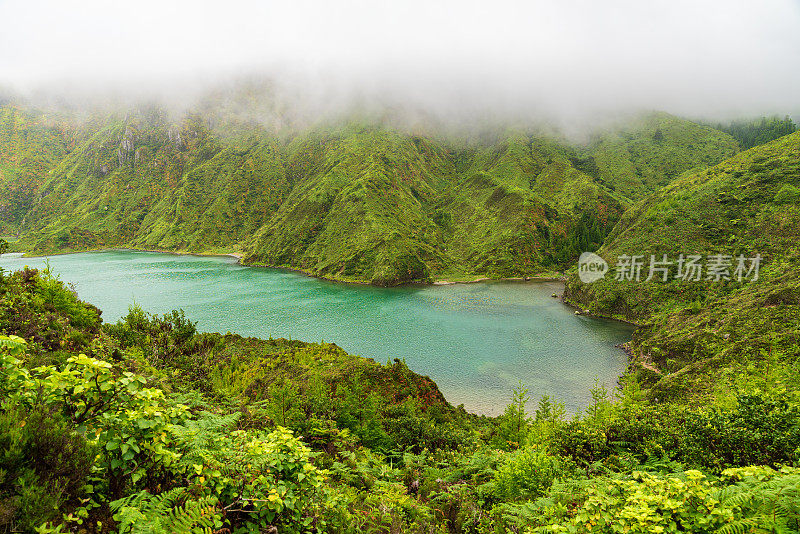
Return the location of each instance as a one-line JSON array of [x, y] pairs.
[[477, 341]]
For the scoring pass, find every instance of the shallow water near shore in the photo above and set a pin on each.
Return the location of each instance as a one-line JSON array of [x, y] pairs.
[[476, 341]]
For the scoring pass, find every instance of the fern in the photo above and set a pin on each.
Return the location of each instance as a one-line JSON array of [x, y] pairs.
[[768, 500], [171, 512], [15, 345], [199, 437], [663, 465], [744, 526]]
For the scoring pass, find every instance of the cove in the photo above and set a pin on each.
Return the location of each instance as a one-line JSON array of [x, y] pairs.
[[476, 341]]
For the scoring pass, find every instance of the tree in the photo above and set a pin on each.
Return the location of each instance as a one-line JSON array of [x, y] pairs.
[[513, 431], [549, 411], [600, 402], [658, 136], [759, 131]]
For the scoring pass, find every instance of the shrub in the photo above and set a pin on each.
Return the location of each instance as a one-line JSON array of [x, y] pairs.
[[583, 443], [526, 475], [129, 422], [44, 466], [642, 504], [787, 194], [759, 430], [39, 308], [260, 479], [65, 301]]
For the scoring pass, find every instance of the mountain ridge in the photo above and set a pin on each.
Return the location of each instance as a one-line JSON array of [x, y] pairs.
[[354, 201]]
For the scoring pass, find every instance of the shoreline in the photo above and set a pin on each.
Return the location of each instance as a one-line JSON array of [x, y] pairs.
[[586, 313], [505, 279], [407, 284], [240, 256], [237, 255], [623, 347]]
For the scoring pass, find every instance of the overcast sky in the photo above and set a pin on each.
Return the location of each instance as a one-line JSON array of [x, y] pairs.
[[696, 57]]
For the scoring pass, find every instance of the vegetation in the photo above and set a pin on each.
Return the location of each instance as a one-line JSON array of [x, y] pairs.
[[31, 144], [647, 153], [759, 131], [352, 200], [697, 336], [146, 425]]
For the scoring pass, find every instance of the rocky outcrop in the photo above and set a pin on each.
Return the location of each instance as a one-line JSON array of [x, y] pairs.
[[127, 146]]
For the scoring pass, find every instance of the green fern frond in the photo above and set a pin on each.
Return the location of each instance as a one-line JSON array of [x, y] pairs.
[[15, 345], [171, 512], [743, 526], [770, 502]]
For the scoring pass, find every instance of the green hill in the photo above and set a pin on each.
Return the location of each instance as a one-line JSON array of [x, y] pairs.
[[695, 333], [143, 181], [352, 200], [644, 154], [373, 204], [360, 208], [522, 206], [31, 144]]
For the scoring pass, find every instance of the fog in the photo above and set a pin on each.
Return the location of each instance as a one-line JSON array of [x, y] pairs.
[[566, 59]]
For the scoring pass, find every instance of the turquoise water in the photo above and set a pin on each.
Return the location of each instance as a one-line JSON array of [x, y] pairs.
[[477, 341]]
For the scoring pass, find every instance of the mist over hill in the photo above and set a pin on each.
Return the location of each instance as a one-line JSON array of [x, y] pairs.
[[388, 143], [358, 196]]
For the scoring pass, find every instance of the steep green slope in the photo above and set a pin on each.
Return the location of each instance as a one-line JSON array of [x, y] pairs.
[[360, 208], [31, 143], [747, 205], [639, 156], [522, 207], [377, 205], [220, 201], [144, 181], [355, 201]]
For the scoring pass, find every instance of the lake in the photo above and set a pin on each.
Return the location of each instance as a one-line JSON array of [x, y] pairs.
[[476, 341]]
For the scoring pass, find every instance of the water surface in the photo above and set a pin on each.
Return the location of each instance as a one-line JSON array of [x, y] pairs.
[[476, 341]]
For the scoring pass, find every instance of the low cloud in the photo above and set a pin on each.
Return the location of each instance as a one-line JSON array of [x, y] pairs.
[[567, 59]]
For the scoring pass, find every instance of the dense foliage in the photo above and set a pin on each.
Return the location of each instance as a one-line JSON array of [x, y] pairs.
[[641, 156], [759, 131], [31, 144], [146, 425], [693, 330]]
